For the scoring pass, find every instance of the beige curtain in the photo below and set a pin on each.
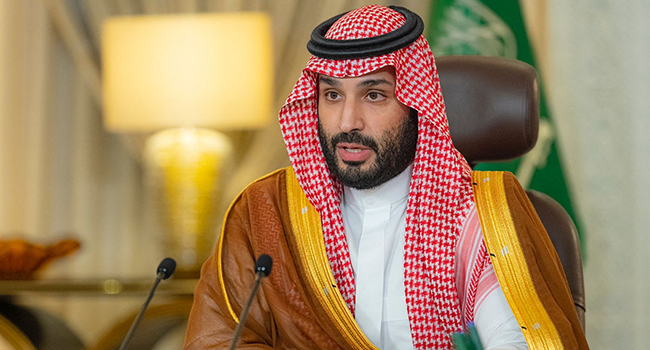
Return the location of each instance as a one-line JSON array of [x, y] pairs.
[[61, 174]]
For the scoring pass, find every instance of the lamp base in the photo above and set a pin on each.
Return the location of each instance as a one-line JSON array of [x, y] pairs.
[[183, 167]]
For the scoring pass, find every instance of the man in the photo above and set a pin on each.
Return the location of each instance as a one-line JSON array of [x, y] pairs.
[[379, 231]]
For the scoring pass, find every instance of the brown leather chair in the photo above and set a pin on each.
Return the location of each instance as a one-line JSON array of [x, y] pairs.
[[493, 111]]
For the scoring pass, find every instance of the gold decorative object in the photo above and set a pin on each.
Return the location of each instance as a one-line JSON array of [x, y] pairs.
[[183, 168], [20, 260], [11, 337], [179, 75]]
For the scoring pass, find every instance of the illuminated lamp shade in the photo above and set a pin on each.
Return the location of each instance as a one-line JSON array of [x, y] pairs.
[[187, 77], [208, 70]]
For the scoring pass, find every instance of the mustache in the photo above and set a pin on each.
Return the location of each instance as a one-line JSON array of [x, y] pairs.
[[354, 137]]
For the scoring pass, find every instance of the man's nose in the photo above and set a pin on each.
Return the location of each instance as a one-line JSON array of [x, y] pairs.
[[351, 117]]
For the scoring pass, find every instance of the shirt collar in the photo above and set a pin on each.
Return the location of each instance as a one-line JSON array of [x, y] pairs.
[[391, 191]]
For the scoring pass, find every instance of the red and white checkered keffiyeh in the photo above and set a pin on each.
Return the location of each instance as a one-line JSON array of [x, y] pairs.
[[440, 192]]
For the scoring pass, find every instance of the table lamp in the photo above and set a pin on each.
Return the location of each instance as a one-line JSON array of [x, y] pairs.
[[186, 78]]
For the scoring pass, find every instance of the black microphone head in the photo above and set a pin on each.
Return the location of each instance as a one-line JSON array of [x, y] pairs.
[[263, 265], [167, 267]]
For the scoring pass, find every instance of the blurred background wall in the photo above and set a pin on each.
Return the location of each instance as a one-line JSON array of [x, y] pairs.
[[598, 80], [62, 174]]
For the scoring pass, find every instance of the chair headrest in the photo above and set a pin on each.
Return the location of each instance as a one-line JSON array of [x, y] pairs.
[[492, 106]]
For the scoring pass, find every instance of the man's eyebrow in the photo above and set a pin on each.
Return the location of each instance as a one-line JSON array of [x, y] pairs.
[[329, 81], [374, 82]]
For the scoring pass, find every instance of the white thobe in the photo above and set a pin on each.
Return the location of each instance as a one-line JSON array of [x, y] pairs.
[[375, 224]]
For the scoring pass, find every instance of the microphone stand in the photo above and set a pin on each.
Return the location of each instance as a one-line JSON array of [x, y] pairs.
[[263, 267], [244, 313], [164, 271], [138, 318]]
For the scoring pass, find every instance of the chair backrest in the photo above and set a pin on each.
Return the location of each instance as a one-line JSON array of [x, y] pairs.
[[493, 110]]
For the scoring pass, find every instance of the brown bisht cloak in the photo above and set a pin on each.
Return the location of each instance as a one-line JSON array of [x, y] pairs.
[[299, 306]]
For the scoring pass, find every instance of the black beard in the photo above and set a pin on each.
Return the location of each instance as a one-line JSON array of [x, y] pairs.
[[395, 151]]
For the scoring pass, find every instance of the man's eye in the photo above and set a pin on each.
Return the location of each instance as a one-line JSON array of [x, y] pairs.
[[332, 95], [375, 96]]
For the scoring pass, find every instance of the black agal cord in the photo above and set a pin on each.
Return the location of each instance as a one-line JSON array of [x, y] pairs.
[[319, 46]]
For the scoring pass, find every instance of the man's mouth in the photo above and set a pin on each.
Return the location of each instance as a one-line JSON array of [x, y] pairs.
[[353, 152]]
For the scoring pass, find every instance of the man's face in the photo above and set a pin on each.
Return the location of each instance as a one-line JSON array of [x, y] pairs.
[[367, 135]]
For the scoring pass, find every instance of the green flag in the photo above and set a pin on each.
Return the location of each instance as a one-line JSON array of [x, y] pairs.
[[496, 28]]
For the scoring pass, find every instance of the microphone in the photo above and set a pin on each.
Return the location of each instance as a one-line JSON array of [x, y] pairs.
[[263, 267], [165, 270]]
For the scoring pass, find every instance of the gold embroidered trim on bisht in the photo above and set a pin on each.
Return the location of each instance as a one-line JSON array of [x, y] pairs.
[[306, 225], [509, 261], [222, 284]]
